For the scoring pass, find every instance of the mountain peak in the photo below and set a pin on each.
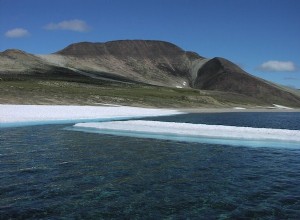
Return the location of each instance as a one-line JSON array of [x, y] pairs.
[[12, 52], [124, 48]]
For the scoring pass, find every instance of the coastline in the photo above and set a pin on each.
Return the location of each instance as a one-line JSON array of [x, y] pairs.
[[20, 115], [233, 110]]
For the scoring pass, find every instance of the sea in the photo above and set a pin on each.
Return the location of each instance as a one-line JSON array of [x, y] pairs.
[[54, 172]]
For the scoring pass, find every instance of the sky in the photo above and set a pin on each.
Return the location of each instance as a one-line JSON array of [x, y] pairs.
[[261, 36]]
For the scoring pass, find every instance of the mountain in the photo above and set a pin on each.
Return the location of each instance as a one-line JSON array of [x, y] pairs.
[[17, 61], [146, 62], [222, 75], [152, 62]]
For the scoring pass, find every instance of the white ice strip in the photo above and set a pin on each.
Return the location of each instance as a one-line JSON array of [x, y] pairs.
[[196, 130], [38, 113], [281, 106]]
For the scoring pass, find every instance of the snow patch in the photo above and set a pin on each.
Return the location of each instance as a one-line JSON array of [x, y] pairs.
[[239, 108], [281, 106], [43, 114]]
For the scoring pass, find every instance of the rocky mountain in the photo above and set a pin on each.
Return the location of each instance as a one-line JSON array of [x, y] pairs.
[[148, 62], [153, 62]]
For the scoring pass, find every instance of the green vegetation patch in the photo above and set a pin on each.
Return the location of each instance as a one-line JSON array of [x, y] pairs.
[[86, 91]]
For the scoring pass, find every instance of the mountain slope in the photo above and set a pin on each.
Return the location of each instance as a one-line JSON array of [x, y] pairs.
[[222, 75], [20, 62], [147, 62]]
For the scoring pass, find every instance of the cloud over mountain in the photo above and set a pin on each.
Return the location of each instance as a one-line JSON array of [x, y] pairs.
[[277, 66], [70, 25], [16, 33]]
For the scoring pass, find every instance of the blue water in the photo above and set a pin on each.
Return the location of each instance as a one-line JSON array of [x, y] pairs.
[[280, 120], [48, 172]]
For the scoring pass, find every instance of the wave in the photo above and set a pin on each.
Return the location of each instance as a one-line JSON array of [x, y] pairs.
[[215, 134]]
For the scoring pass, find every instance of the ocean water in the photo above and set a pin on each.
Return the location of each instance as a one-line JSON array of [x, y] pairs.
[[50, 172]]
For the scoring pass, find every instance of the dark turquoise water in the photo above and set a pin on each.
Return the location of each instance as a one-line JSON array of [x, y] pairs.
[[281, 120], [51, 173]]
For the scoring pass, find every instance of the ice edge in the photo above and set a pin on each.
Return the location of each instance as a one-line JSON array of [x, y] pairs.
[[213, 134]]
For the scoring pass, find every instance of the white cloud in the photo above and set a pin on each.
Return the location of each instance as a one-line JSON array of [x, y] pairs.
[[17, 33], [278, 66], [71, 25]]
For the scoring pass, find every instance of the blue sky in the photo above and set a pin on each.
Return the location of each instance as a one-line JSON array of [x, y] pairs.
[[262, 36]]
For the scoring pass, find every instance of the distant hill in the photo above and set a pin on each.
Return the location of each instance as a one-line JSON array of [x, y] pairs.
[[147, 62]]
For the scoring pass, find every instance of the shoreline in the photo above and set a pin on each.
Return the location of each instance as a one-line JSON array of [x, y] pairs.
[[233, 110], [45, 114], [14, 115]]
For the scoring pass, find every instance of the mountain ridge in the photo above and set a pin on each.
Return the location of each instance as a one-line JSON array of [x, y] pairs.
[[150, 62]]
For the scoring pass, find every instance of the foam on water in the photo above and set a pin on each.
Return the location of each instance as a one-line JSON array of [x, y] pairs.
[[214, 134]]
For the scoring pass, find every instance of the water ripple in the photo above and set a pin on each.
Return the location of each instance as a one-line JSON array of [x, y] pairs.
[[66, 174]]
